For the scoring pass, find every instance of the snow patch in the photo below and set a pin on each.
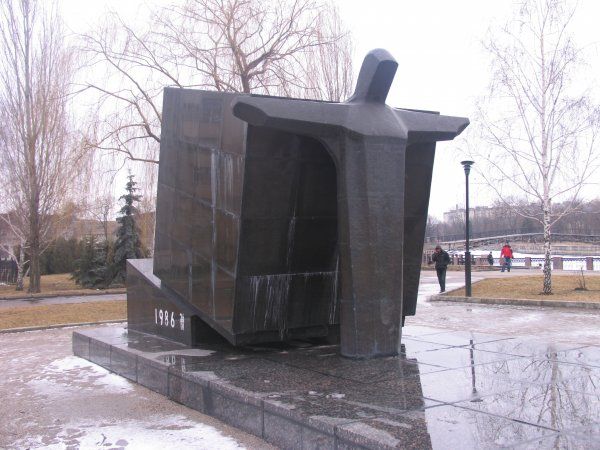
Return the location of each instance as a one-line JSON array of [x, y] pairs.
[[72, 372], [157, 432]]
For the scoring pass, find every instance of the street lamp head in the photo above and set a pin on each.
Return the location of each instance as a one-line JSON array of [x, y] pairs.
[[467, 166]]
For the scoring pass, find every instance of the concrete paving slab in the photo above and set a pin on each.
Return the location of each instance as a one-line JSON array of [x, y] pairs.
[[532, 322], [52, 399]]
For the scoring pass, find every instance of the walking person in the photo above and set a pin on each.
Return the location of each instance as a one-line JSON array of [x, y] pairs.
[[441, 260], [490, 259], [506, 256]]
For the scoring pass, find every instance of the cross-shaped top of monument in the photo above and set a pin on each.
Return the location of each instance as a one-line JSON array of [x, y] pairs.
[[364, 113]]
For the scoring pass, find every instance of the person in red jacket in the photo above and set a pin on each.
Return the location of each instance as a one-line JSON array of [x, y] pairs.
[[507, 254]]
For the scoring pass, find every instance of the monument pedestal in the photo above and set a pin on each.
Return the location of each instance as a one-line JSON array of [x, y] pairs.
[[295, 396], [154, 309], [157, 310], [446, 389]]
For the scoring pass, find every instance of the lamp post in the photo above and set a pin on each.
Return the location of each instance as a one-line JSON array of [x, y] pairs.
[[467, 166]]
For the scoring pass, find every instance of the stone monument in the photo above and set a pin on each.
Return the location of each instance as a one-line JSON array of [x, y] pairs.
[[280, 218]]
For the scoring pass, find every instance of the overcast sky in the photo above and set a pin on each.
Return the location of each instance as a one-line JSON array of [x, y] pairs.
[[437, 44]]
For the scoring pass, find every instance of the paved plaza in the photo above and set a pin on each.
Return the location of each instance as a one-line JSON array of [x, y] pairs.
[[471, 376], [572, 325]]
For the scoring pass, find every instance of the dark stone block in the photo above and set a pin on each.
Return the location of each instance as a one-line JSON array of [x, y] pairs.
[[81, 345], [201, 280], [224, 285], [187, 391], [235, 407], [282, 432], [313, 439], [227, 236], [314, 245], [201, 231], [157, 310], [265, 247], [153, 375], [229, 185], [100, 353], [123, 363]]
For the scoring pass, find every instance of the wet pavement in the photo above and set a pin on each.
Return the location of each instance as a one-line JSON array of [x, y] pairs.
[[54, 400], [470, 376], [573, 325], [447, 389]]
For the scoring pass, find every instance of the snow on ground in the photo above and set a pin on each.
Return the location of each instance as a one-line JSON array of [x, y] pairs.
[[71, 373], [150, 434], [71, 377]]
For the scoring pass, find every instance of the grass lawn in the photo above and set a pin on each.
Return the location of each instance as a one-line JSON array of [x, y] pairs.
[[530, 287], [59, 284], [56, 314]]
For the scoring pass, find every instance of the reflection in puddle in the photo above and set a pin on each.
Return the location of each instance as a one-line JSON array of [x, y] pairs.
[[446, 389]]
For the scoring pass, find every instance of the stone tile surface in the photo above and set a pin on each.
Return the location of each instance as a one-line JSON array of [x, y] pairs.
[[446, 427], [459, 338], [547, 405], [566, 441], [455, 357], [489, 394], [187, 392], [589, 356], [521, 347]]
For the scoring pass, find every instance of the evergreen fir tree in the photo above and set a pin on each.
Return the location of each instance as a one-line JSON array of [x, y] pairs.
[[90, 268], [128, 244]]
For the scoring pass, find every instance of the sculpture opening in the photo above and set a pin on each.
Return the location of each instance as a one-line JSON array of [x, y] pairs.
[[288, 258]]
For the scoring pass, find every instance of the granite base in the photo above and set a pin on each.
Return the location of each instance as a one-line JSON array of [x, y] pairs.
[[445, 390]]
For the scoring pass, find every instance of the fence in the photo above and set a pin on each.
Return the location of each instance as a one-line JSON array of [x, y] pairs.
[[591, 263]]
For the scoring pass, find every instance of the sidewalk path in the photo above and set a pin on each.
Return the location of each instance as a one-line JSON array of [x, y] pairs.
[[63, 300], [548, 324]]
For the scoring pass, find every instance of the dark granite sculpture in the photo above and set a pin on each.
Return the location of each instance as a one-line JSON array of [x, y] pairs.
[[257, 222]]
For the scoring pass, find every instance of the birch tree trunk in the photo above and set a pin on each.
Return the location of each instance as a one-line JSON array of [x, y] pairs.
[[547, 259], [21, 266]]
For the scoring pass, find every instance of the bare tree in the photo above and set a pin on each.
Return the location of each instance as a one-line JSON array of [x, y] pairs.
[[327, 68], [36, 142], [99, 197], [288, 47], [538, 132]]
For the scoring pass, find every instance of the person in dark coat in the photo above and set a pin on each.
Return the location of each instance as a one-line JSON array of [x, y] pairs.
[[490, 259], [441, 260]]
